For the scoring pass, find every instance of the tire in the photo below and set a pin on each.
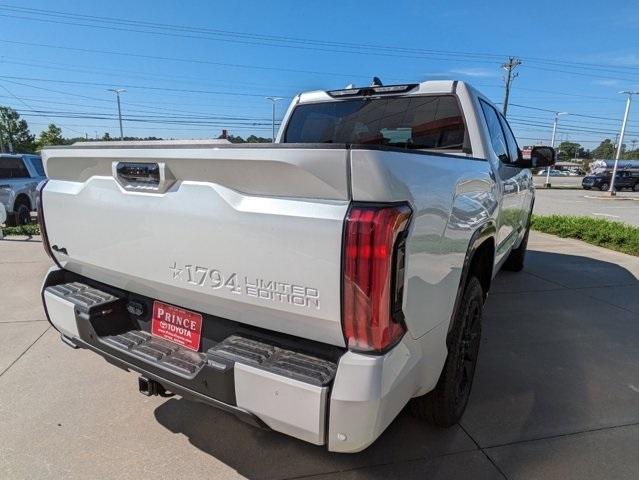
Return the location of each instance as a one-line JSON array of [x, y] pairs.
[[444, 406], [635, 187], [604, 187], [21, 215]]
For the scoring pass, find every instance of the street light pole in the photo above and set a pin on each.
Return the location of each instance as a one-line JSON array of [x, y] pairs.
[[117, 92], [273, 100], [620, 144], [552, 144]]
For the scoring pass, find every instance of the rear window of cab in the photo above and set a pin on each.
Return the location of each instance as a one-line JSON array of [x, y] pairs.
[[413, 122]]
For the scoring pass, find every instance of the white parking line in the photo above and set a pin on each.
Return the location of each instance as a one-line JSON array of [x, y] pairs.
[[605, 215]]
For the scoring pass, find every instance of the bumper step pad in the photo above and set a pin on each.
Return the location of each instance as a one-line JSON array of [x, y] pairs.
[[86, 299], [288, 363], [160, 352]]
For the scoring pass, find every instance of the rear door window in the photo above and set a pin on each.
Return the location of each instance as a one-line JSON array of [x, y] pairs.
[[414, 122], [497, 138], [13, 168], [513, 149]]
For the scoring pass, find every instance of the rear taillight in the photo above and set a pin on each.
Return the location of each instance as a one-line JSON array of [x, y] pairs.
[[43, 228], [374, 257]]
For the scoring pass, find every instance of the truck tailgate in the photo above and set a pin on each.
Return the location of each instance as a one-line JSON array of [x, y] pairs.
[[249, 234]]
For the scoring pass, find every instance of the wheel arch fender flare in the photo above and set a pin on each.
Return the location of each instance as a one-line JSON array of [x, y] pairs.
[[484, 233]]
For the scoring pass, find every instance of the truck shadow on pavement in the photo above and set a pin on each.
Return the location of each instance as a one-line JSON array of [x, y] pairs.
[[553, 350]]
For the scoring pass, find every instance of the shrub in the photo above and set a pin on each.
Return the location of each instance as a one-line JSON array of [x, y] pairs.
[[31, 229]]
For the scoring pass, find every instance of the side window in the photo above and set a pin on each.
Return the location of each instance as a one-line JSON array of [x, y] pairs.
[[20, 169], [13, 168], [37, 164], [497, 139], [513, 149], [5, 169]]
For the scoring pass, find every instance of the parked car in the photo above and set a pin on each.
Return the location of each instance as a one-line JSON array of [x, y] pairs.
[[602, 180], [554, 173], [19, 177], [313, 286]]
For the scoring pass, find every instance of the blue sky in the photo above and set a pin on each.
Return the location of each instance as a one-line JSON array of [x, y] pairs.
[[190, 82]]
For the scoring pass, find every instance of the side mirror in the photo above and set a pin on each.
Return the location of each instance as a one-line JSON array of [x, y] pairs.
[[542, 157], [539, 157]]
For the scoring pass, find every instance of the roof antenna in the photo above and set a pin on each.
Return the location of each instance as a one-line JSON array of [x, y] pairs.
[[377, 82]]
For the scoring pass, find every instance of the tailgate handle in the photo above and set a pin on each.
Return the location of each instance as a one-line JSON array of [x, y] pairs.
[[139, 173]]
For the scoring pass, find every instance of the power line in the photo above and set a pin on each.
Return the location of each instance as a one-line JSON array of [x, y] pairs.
[[284, 41], [571, 113], [254, 43], [142, 87], [66, 67], [115, 23], [29, 106], [582, 74], [119, 24], [184, 60]]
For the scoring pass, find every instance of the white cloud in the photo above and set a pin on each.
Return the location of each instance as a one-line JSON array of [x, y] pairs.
[[628, 60], [607, 82], [476, 72]]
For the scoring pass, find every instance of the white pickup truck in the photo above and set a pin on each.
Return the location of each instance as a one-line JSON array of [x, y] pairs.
[[314, 286]]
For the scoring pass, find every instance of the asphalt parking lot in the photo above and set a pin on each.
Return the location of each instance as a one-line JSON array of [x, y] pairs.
[[556, 394], [624, 207]]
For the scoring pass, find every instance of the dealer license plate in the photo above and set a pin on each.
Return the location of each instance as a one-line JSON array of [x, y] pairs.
[[177, 325]]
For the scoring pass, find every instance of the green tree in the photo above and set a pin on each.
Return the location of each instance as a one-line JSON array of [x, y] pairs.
[[234, 139], [254, 139], [569, 150], [14, 132], [605, 150], [51, 136]]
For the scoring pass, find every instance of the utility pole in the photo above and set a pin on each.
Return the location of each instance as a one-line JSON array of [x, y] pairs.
[[9, 142], [117, 92], [509, 66], [273, 100], [552, 144], [621, 134]]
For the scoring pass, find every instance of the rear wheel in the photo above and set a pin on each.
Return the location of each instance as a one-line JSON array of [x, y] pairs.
[[21, 215], [635, 187], [445, 405], [604, 187]]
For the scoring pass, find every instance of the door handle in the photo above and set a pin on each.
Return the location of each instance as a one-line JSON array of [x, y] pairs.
[[508, 188]]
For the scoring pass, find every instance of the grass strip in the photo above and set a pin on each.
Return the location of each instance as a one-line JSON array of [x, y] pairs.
[[596, 231]]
